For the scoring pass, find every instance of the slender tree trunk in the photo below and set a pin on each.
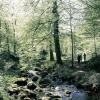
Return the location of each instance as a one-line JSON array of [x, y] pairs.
[[7, 37], [51, 52], [14, 42], [0, 33], [72, 38], [95, 47], [8, 48], [56, 33]]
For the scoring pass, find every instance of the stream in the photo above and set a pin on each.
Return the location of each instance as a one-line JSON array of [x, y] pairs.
[[64, 92]]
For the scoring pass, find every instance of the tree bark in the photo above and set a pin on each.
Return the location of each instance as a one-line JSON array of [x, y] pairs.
[[51, 53], [56, 32]]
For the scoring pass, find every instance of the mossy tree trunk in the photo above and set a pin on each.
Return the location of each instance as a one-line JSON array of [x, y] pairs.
[[56, 32]]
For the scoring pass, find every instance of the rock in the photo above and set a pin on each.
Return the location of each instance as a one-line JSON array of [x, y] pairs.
[[95, 79], [26, 93], [23, 74], [48, 94], [44, 74], [1, 98], [78, 75], [79, 86], [31, 86], [21, 96], [30, 94], [53, 97], [46, 98], [21, 82], [44, 82], [35, 78], [31, 73], [37, 69], [87, 86], [13, 90], [26, 98], [40, 90]]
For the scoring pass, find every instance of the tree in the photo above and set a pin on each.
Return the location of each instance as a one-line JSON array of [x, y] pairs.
[[56, 32], [92, 17]]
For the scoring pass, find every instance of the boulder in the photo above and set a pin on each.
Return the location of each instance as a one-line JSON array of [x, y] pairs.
[[95, 79], [37, 69], [78, 75], [31, 86], [35, 78], [44, 74], [44, 82], [1, 98], [30, 94], [26, 98], [22, 95], [13, 90], [21, 82]]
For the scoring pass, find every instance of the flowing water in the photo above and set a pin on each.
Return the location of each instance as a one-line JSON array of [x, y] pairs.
[[66, 92]]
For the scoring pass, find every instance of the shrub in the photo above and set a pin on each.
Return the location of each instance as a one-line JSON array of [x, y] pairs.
[[94, 64]]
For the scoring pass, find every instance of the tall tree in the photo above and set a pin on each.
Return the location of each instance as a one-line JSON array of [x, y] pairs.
[[56, 32], [72, 38]]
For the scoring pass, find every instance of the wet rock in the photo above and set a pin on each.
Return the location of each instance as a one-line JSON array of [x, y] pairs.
[[37, 69], [1, 98], [87, 86], [13, 90], [48, 94], [95, 79], [79, 86], [32, 73], [55, 97], [21, 82], [78, 75], [35, 78], [30, 94], [22, 95], [31, 86], [44, 82], [44, 74], [26, 98], [45, 98], [26, 93]]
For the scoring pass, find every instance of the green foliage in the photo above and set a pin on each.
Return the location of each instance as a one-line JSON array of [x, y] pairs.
[[94, 64], [49, 65]]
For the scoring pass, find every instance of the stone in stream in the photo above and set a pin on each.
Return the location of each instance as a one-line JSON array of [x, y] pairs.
[[1, 98], [21, 82], [37, 69], [13, 90], [26, 98], [44, 82], [21, 96], [31, 86], [26, 93], [44, 74], [35, 78]]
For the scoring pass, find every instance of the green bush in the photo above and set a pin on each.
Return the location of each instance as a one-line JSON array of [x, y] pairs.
[[94, 64]]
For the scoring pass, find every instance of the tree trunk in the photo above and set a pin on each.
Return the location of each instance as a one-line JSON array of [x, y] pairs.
[[51, 53], [56, 33], [14, 42], [7, 37], [72, 37]]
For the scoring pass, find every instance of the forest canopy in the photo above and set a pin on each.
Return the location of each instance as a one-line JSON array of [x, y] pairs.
[[58, 37]]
